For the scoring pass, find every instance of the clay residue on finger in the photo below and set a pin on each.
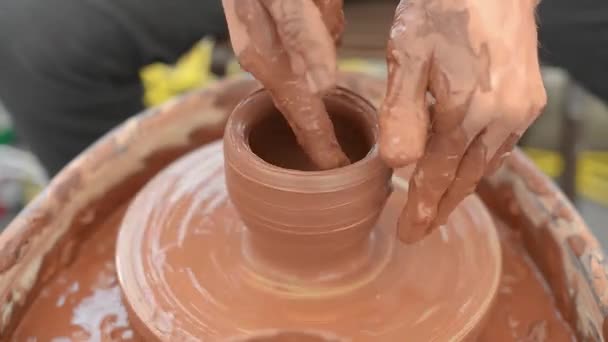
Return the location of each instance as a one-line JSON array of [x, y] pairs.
[[264, 33]]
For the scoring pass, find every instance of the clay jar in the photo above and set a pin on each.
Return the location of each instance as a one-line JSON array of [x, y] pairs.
[[305, 224]]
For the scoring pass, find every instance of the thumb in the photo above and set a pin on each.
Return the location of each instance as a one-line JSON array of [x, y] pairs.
[[404, 115]]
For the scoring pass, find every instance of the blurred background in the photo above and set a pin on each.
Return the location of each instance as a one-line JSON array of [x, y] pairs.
[[569, 142]]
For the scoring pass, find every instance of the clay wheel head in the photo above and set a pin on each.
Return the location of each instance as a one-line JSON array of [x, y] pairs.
[[186, 276]]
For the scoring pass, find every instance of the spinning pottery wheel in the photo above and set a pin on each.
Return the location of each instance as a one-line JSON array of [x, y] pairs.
[[285, 249], [58, 269]]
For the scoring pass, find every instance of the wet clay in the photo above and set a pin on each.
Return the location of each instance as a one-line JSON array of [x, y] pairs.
[[296, 61], [289, 336], [291, 252], [288, 208], [524, 304], [231, 290], [545, 219], [83, 302], [190, 268]]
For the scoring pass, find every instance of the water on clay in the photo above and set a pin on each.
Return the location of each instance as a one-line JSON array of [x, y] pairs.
[[83, 302]]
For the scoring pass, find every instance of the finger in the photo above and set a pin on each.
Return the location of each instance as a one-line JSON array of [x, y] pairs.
[[257, 45], [303, 110], [432, 176], [469, 173], [404, 116], [310, 122], [484, 156], [447, 149], [333, 16], [306, 40], [239, 38]]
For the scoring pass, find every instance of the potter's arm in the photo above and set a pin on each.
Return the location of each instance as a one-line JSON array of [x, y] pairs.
[[478, 59]]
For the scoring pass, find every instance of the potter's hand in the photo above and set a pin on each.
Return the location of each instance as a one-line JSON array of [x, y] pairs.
[[478, 59], [289, 46]]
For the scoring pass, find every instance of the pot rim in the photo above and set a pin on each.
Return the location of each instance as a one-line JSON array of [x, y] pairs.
[[239, 152]]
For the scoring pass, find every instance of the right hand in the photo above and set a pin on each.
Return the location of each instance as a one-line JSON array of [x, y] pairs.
[[289, 46], [479, 60]]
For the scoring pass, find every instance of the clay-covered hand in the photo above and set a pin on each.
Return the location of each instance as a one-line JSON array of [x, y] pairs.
[[289, 46], [478, 59]]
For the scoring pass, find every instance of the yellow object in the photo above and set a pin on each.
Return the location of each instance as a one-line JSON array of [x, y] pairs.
[[363, 65], [591, 175], [549, 162], [162, 82]]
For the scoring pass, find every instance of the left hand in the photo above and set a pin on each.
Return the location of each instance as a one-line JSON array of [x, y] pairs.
[[289, 46]]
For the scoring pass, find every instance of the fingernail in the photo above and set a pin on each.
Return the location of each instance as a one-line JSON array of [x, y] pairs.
[[319, 80]]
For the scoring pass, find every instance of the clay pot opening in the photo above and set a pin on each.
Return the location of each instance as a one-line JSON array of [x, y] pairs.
[[252, 150], [272, 140]]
